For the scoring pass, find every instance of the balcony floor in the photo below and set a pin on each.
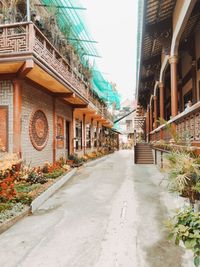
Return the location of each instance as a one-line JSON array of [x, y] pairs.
[[109, 215]]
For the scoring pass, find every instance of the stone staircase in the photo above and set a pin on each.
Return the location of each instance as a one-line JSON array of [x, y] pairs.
[[143, 154]]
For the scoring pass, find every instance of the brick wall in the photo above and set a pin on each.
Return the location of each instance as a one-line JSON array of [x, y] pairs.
[[32, 100], [6, 99]]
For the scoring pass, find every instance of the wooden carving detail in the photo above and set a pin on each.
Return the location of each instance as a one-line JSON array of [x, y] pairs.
[[189, 127], [60, 132], [54, 60], [39, 129], [13, 39]]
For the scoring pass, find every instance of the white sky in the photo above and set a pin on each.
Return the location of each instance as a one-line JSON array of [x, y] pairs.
[[113, 24]]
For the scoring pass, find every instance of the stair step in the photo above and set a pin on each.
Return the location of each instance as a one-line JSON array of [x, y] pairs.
[[143, 154]]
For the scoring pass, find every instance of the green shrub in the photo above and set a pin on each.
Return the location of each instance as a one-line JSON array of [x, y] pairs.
[[185, 227], [23, 199], [5, 206]]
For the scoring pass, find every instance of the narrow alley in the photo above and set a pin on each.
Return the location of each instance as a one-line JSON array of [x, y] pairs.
[[109, 215]]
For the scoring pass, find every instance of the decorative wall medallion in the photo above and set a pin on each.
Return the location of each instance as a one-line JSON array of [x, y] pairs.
[[39, 129]]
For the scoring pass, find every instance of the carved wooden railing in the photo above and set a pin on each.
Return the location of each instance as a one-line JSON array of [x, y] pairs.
[[25, 38], [14, 38], [187, 125]]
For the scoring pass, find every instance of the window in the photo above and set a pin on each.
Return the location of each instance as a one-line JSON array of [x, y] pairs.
[[88, 136], [78, 140]]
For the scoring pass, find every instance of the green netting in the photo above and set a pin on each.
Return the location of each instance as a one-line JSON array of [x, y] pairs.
[[105, 89], [72, 23]]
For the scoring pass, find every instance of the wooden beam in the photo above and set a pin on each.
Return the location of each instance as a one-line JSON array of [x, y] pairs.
[[152, 60], [159, 27], [64, 95], [25, 69], [75, 106], [8, 76]]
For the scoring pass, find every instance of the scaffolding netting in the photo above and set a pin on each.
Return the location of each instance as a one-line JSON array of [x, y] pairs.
[[72, 23]]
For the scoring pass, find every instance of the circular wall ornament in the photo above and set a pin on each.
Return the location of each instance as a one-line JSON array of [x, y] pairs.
[[39, 129]]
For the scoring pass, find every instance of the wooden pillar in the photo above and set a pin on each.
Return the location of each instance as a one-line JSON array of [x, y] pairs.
[[71, 135], [162, 101], [17, 110], [84, 134], [155, 112], [97, 134], [92, 133], [151, 119], [54, 129], [174, 85], [147, 124], [162, 106]]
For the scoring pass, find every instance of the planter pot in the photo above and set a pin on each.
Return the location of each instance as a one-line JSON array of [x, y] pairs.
[[17, 166], [70, 162], [185, 194], [76, 165]]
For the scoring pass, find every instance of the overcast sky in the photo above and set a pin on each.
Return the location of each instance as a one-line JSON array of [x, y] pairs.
[[113, 24]]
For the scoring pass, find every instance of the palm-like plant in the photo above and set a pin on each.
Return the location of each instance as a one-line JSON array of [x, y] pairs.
[[184, 174]]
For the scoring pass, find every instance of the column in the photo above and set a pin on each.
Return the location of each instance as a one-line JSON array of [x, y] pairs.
[[92, 133], [147, 124], [162, 112], [54, 129], [155, 112], [174, 85], [72, 134], [17, 110], [97, 135], [150, 119], [84, 134]]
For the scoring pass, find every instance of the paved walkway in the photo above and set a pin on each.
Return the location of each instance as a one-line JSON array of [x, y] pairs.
[[109, 215]]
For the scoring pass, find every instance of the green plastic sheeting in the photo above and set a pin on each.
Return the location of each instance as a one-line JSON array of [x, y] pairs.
[[104, 89], [71, 22]]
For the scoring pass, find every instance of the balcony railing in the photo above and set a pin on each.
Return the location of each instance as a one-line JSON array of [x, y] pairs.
[[187, 125], [21, 39]]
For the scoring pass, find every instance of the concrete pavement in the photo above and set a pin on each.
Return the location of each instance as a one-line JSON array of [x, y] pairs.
[[108, 215]]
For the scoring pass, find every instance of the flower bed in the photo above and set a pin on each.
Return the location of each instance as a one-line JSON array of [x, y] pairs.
[[20, 184]]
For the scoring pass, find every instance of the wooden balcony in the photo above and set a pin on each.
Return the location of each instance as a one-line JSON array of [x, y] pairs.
[[187, 126], [23, 43]]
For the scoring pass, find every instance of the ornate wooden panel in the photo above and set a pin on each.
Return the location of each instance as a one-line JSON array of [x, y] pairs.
[[39, 129], [60, 132], [3, 128], [192, 128], [197, 126], [14, 39]]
